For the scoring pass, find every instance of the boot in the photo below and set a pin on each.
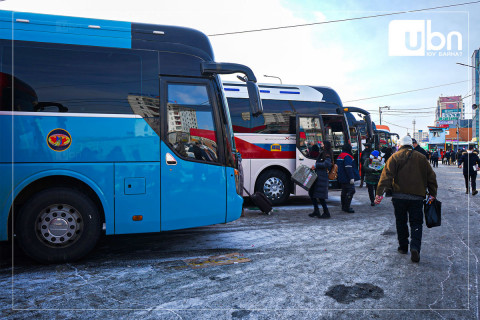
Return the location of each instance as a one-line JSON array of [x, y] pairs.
[[325, 215], [315, 213], [474, 192], [361, 182], [467, 192], [342, 200], [348, 201]]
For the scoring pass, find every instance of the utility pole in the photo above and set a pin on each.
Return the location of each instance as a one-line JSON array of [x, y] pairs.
[[413, 122], [380, 112]]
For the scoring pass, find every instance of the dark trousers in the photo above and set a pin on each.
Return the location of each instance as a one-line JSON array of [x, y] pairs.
[[348, 190], [409, 211], [315, 202], [435, 162], [372, 191], [473, 178]]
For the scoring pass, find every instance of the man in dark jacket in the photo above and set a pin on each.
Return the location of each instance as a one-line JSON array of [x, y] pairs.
[[408, 174], [435, 156], [417, 147], [453, 155], [365, 155], [470, 163], [347, 174]]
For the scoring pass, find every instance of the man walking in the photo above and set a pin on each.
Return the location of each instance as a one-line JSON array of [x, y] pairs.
[[435, 158], [408, 175], [470, 163], [417, 147], [347, 174]]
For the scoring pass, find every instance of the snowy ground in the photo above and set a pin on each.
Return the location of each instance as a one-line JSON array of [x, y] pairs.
[[301, 268]]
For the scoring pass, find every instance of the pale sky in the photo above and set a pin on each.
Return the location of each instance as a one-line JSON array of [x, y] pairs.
[[351, 57]]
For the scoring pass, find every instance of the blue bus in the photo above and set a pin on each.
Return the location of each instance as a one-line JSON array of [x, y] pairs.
[[110, 127]]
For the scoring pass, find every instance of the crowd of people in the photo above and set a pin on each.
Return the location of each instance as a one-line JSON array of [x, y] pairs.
[[405, 175]]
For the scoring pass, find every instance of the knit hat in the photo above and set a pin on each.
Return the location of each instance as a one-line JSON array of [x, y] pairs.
[[405, 141], [375, 153]]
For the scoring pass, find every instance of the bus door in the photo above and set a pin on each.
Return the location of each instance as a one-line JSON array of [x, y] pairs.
[[309, 136], [335, 132], [193, 176]]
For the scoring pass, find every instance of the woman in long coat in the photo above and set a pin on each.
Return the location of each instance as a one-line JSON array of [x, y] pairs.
[[319, 190]]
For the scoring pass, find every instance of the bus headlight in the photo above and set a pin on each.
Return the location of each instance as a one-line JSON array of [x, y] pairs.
[[238, 183]]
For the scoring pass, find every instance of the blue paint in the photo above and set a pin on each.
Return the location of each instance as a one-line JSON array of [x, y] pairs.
[[290, 92], [145, 201], [265, 91], [231, 89], [284, 147], [193, 193], [106, 140], [67, 30], [234, 200]]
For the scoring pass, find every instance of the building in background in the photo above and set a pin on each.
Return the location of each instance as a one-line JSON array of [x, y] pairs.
[[449, 111], [436, 138], [476, 93], [421, 136]]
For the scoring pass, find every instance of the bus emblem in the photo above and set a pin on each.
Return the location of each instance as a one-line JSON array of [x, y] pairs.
[[59, 140], [275, 147]]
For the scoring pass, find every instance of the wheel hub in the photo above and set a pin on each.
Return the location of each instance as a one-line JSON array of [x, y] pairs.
[[273, 188], [59, 225]]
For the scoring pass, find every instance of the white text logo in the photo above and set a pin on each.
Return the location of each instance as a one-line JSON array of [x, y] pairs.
[[415, 38]]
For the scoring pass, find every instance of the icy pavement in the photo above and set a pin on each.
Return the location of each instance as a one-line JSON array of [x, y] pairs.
[[346, 267]]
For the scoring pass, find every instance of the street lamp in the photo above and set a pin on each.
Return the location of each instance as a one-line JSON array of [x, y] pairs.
[[474, 106], [273, 77], [380, 111]]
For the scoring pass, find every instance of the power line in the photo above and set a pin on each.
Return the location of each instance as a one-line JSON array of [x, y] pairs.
[[396, 125], [341, 20], [402, 92]]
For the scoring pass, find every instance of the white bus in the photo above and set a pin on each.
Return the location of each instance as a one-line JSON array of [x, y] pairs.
[[295, 120]]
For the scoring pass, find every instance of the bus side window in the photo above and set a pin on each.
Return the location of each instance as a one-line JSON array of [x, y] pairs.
[[309, 136], [190, 122]]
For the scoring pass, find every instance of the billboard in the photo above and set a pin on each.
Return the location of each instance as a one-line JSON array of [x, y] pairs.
[[451, 111], [450, 106]]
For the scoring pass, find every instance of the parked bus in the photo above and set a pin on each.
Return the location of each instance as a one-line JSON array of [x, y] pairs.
[[111, 124], [272, 146]]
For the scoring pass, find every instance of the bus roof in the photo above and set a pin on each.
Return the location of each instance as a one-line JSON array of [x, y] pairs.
[[104, 33], [327, 96]]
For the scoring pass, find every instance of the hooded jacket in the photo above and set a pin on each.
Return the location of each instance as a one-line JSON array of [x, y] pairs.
[[413, 176]]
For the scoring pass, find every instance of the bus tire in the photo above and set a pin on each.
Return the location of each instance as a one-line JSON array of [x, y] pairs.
[[274, 184], [58, 225]]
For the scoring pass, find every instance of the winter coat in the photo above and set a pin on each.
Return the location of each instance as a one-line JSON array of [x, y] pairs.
[[435, 155], [320, 187], [346, 168], [421, 150], [414, 177], [452, 156], [469, 160], [371, 175]]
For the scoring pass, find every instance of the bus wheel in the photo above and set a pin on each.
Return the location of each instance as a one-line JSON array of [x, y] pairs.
[[58, 225], [274, 184]]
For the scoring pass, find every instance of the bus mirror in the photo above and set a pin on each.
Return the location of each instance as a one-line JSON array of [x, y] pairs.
[[340, 110], [254, 97]]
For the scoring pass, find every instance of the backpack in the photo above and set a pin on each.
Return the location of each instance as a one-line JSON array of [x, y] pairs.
[[333, 173]]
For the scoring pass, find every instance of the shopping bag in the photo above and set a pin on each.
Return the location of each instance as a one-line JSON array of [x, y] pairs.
[[433, 212], [304, 177]]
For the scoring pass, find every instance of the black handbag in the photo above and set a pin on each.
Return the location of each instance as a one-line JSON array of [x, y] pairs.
[[433, 213]]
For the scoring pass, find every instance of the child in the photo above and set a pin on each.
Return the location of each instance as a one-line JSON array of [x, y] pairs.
[[373, 167]]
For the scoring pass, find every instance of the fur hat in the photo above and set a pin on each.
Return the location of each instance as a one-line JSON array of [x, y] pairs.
[[405, 141]]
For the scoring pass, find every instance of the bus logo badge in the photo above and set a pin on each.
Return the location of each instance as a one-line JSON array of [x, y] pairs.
[[275, 147], [59, 140]]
